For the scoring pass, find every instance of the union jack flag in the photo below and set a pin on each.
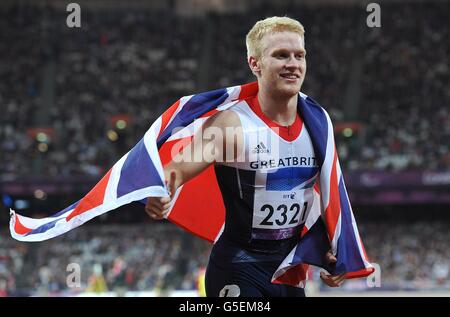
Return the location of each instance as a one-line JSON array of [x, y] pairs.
[[139, 174]]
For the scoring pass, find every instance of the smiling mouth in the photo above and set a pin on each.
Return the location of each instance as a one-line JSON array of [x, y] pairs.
[[290, 76]]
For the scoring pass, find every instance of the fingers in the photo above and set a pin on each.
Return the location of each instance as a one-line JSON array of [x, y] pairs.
[[155, 213], [332, 280], [159, 204], [155, 216], [330, 257], [171, 184], [157, 207]]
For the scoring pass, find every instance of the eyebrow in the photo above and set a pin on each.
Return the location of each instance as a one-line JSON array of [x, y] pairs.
[[283, 50]]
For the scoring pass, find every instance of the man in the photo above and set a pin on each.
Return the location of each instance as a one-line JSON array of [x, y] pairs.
[[263, 220]]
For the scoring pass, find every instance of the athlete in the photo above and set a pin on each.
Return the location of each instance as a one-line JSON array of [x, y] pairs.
[[266, 169]]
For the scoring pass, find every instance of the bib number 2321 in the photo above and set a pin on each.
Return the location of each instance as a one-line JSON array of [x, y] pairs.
[[283, 215]]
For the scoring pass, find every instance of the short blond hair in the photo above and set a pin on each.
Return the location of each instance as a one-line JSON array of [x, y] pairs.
[[270, 26]]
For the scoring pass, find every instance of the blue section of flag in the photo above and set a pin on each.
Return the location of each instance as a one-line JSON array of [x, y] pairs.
[[291, 177], [349, 258], [52, 223], [315, 244], [316, 122], [195, 107], [44, 227], [313, 247], [138, 171], [73, 206]]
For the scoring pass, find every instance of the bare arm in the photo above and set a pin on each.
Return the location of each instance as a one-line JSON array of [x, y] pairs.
[[208, 146]]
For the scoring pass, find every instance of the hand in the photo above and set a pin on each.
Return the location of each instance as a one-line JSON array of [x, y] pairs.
[[332, 280], [158, 207]]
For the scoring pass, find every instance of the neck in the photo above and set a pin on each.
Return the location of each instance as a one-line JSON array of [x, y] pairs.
[[281, 109]]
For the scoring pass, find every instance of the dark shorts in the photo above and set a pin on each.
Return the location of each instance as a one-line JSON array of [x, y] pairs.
[[245, 279]]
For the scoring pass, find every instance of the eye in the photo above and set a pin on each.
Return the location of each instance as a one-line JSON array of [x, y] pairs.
[[280, 55]]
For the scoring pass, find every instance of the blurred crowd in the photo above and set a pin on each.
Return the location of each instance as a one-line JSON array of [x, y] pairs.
[[410, 255], [129, 66], [114, 258], [119, 258], [406, 96]]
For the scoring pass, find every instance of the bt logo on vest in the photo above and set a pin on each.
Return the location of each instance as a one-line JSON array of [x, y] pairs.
[[289, 196]]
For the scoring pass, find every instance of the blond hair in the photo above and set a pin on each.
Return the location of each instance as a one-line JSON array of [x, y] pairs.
[[270, 26]]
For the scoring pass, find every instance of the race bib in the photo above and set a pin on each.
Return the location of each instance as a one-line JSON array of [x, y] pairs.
[[280, 214]]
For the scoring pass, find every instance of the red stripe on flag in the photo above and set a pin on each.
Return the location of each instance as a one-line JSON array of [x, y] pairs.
[[360, 273], [93, 199], [317, 187], [199, 207], [334, 204], [248, 90], [209, 113], [294, 275], [363, 248], [304, 231], [167, 115], [19, 228]]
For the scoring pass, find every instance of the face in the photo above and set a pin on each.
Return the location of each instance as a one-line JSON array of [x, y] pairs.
[[282, 66]]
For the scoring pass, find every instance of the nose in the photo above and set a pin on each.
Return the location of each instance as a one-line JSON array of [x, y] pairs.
[[293, 63]]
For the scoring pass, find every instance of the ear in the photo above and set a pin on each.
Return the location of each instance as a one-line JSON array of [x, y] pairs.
[[254, 65]]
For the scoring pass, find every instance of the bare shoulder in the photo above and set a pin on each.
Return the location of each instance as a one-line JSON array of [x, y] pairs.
[[223, 120]]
